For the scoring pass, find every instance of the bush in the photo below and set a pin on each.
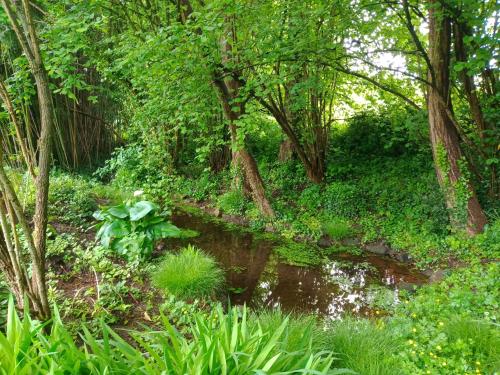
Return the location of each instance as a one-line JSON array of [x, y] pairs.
[[344, 199], [189, 274], [71, 199], [232, 202], [201, 187]]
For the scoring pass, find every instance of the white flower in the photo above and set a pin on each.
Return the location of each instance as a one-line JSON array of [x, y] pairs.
[[138, 193]]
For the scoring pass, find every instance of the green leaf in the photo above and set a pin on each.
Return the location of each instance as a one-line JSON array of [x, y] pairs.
[[164, 230], [119, 211], [116, 229], [141, 209]]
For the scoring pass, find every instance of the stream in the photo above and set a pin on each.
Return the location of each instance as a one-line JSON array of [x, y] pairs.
[[346, 284]]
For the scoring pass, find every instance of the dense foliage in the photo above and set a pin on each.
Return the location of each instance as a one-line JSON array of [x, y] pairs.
[[355, 142]]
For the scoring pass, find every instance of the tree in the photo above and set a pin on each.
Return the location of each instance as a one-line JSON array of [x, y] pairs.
[[451, 167], [282, 60], [228, 83], [430, 69], [11, 213]]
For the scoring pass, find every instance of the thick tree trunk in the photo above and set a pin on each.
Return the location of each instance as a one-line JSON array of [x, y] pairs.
[[243, 159], [445, 143]]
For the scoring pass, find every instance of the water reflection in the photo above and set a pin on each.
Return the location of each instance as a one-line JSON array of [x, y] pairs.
[[255, 275]]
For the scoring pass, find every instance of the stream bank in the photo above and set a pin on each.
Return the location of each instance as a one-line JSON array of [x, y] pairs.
[[257, 275]]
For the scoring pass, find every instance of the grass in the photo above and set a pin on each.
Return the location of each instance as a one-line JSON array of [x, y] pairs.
[[299, 333], [483, 339], [189, 274], [363, 347], [337, 229]]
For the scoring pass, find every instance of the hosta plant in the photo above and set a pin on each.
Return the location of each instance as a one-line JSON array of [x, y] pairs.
[[131, 228]]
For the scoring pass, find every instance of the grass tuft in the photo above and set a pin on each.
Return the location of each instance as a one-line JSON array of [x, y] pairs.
[[189, 274], [337, 229]]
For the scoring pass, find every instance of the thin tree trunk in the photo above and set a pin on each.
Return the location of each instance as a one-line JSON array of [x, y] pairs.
[[448, 158], [28, 157], [21, 21], [286, 150], [229, 90]]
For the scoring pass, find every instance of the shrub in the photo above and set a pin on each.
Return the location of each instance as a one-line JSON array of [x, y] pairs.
[[189, 274], [200, 187], [232, 202], [344, 199], [71, 198], [310, 197], [132, 228]]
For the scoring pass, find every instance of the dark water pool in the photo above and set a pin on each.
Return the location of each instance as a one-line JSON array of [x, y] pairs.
[[258, 277]]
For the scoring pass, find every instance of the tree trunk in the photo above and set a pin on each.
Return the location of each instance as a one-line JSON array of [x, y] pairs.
[[22, 24], [229, 90], [468, 82], [42, 182], [449, 162], [286, 151]]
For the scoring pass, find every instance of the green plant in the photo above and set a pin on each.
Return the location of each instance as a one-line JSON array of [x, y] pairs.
[[337, 228], [363, 347], [301, 331], [132, 228], [299, 254], [26, 349], [232, 202], [215, 343], [189, 274], [452, 327]]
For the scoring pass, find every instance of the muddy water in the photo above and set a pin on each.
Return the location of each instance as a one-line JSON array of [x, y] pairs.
[[257, 276]]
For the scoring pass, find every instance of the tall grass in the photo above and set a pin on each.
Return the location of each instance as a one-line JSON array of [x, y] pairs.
[[362, 347], [189, 274], [215, 344]]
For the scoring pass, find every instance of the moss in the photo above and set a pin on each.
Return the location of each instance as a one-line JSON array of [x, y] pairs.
[[300, 254]]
